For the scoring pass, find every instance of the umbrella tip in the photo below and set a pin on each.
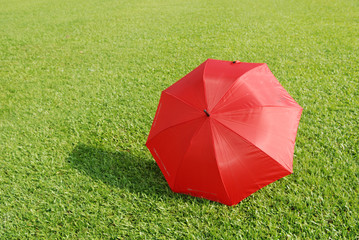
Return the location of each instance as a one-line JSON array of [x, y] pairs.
[[236, 61], [207, 113]]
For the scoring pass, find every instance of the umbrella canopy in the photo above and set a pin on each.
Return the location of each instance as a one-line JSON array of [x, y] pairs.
[[224, 131]]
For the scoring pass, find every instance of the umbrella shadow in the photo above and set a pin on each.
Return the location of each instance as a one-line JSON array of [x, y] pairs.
[[121, 169]]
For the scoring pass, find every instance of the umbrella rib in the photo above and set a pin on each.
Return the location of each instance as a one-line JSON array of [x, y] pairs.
[[219, 171], [184, 155], [185, 102], [249, 142], [204, 85], [297, 106], [268, 130], [274, 106], [251, 175], [264, 106], [172, 126], [240, 77]]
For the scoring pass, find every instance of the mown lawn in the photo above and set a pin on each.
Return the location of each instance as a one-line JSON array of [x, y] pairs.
[[79, 86]]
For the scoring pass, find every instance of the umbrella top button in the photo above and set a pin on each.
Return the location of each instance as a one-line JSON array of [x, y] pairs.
[[236, 61], [207, 113]]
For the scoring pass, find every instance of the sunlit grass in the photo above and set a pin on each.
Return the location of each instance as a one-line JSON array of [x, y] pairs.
[[79, 85]]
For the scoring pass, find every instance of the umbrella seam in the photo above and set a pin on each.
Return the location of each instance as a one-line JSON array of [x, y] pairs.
[[180, 99], [243, 165], [235, 81], [265, 106], [184, 155], [175, 125], [300, 109], [204, 85], [248, 125], [284, 166], [148, 143], [219, 172]]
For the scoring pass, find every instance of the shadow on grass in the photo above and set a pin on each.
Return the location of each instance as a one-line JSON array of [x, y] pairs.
[[121, 169]]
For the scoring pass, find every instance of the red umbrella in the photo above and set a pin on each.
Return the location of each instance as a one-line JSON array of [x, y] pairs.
[[224, 131]]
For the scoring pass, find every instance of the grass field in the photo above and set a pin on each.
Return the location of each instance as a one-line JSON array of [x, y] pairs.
[[79, 86]]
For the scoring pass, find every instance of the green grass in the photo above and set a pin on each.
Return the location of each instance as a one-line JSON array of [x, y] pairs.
[[79, 86]]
